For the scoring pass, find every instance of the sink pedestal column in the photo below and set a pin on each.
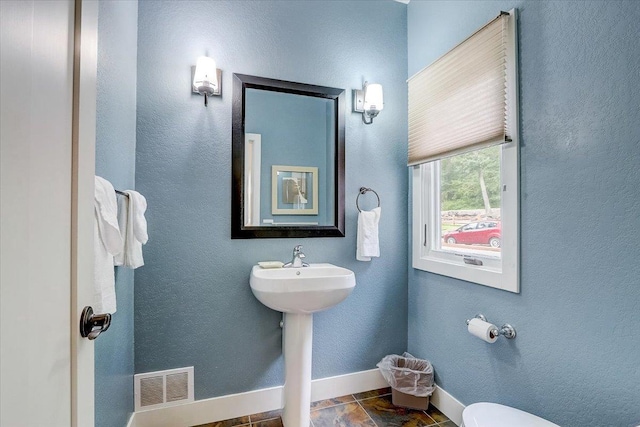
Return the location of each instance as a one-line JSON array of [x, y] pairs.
[[296, 346]]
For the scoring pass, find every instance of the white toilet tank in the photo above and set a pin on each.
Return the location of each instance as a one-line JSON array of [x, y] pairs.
[[484, 414]]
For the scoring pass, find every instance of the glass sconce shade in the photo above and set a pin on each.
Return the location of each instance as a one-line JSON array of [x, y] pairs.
[[373, 101], [205, 79], [368, 101]]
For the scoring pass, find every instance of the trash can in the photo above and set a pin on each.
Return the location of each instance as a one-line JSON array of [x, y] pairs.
[[411, 380]]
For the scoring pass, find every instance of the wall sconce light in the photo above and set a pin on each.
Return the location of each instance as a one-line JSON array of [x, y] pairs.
[[368, 101], [207, 79]]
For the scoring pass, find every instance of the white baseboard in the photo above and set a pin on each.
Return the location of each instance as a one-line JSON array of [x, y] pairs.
[[132, 420], [269, 399], [341, 385], [448, 405], [214, 409]]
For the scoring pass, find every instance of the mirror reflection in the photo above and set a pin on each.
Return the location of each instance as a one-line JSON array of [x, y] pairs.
[[289, 159], [288, 149]]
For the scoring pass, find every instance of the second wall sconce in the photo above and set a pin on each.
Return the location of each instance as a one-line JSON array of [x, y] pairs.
[[207, 79], [368, 101]]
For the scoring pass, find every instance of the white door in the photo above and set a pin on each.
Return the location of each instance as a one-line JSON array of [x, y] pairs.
[[46, 211]]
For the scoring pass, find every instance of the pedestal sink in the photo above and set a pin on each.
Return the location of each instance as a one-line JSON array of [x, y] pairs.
[[298, 293]]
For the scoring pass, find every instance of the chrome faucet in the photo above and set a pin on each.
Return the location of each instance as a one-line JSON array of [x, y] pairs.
[[297, 260]]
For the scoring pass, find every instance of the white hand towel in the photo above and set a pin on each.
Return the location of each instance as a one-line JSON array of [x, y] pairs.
[[123, 218], [133, 226], [107, 243], [367, 239]]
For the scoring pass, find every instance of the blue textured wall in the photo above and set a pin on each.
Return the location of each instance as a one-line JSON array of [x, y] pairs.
[[115, 161], [193, 304], [577, 355]]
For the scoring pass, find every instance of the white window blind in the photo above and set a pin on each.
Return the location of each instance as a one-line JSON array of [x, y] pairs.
[[459, 103]]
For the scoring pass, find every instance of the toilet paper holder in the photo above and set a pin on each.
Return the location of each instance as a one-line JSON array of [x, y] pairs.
[[505, 330]]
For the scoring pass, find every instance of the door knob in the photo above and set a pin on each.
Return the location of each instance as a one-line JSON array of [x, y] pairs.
[[92, 325]]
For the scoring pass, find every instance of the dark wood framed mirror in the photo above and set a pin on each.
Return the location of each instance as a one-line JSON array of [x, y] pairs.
[[287, 159]]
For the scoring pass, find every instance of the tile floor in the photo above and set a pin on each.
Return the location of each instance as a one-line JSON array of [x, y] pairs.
[[368, 409]]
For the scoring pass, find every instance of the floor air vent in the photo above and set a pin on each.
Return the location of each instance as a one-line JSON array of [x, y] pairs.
[[163, 388]]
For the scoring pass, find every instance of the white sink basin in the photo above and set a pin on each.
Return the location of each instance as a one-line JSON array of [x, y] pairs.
[[302, 290]]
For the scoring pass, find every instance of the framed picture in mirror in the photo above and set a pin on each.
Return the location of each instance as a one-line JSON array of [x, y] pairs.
[[294, 190]]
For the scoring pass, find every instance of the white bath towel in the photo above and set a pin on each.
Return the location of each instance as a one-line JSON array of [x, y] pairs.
[[367, 239], [107, 243], [133, 227]]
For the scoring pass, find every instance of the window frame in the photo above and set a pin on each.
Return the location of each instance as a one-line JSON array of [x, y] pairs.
[[503, 273]]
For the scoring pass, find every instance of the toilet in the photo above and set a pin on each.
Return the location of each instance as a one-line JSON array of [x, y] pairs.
[[485, 414]]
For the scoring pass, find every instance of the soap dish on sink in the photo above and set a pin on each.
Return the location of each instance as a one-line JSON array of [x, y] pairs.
[[271, 264]]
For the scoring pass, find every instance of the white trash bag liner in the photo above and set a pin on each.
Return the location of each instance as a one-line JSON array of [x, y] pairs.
[[407, 374]]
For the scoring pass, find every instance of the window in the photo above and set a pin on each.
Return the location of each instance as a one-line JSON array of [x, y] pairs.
[[465, 195]]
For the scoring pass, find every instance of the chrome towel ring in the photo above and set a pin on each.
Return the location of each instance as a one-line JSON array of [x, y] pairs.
[[364, 190]]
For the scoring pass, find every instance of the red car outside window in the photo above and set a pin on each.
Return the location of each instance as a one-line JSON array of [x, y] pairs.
[[476, 233]]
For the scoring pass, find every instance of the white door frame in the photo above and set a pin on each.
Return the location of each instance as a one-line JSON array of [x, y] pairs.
[[252, 165], [83, 171]]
